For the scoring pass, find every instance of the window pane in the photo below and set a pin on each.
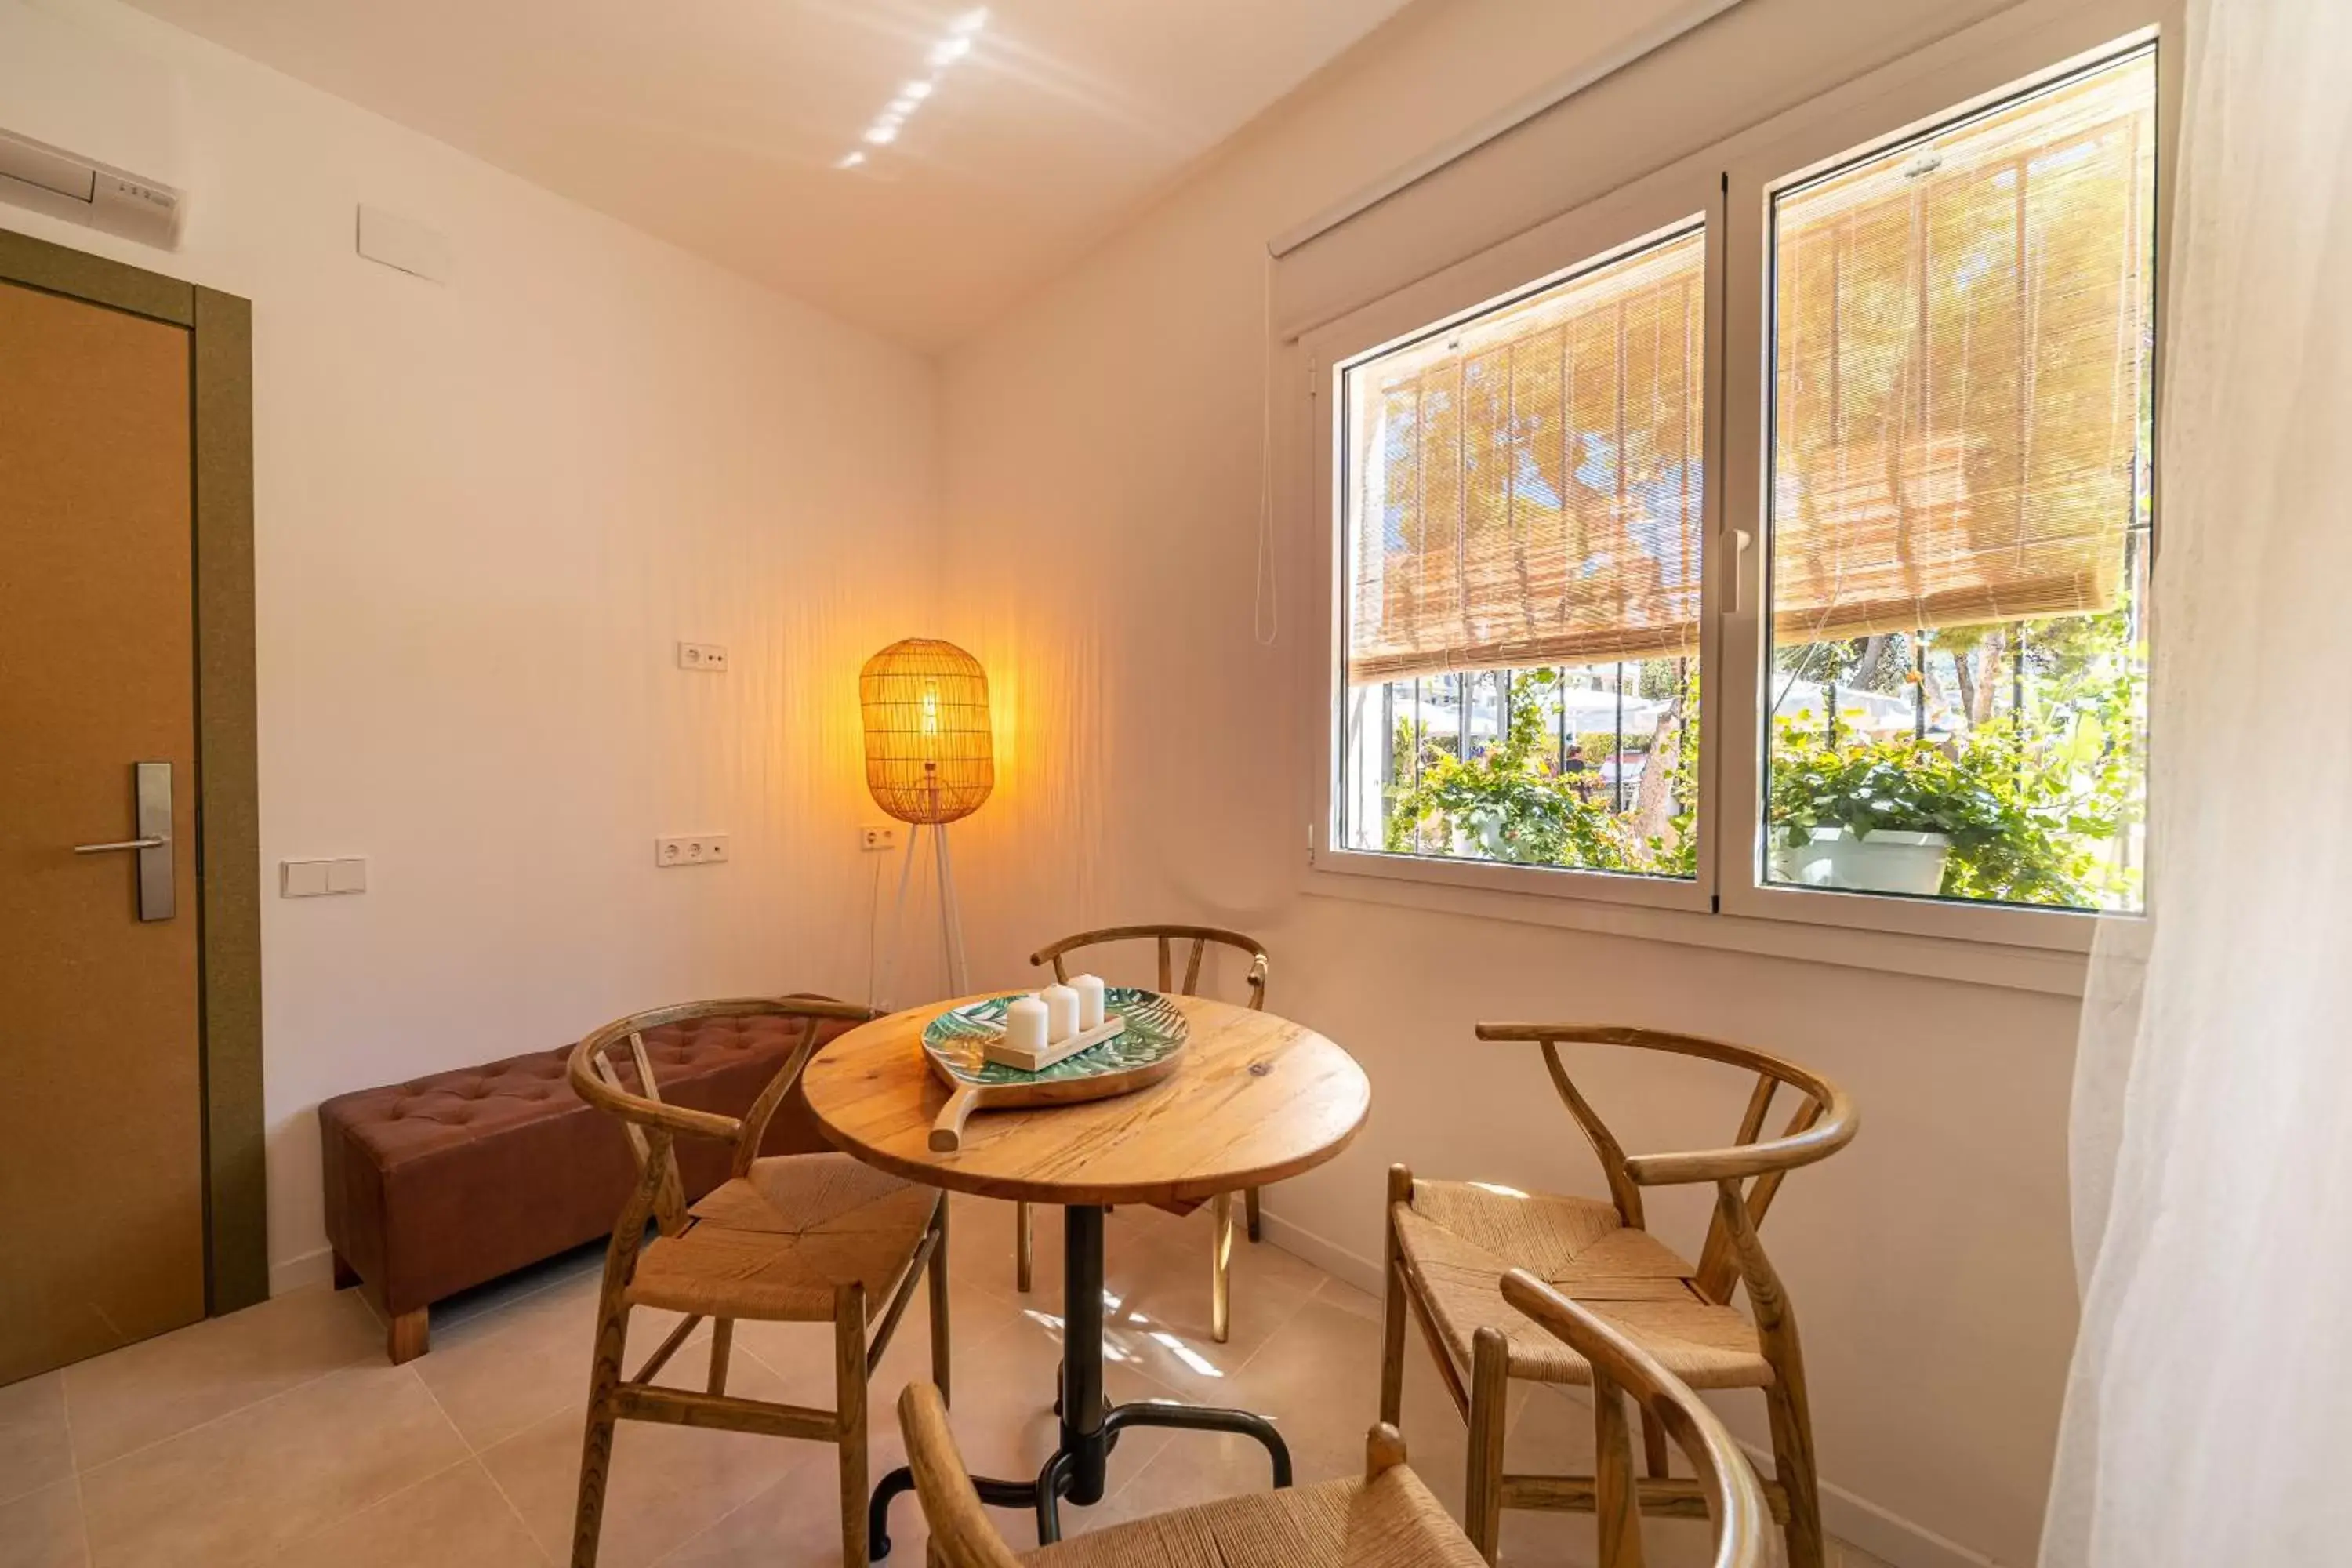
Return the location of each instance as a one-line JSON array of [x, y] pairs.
[[1963, 411], [1522, 537]]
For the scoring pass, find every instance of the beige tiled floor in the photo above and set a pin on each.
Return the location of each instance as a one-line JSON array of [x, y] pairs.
[[279, 1436]]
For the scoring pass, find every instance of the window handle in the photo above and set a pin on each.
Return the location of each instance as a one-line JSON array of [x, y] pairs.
[[119, 844], [1736, 592]]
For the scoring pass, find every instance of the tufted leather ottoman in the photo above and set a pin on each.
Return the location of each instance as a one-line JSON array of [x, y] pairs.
[[445, 1182]]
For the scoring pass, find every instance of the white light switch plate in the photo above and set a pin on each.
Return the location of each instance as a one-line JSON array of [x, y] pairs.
[[691, 849], [316, 878], [707, 657]]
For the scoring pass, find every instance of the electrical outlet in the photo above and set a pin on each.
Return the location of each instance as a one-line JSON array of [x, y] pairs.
[[708, 656], [879, 835], [691, 849]]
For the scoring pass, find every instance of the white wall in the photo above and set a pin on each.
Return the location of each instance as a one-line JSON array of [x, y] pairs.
[[485, 512], [1105, 436]]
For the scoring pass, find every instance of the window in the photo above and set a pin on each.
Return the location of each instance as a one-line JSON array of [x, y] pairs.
[[1961, 335], [1922, 698], [1523, 571]]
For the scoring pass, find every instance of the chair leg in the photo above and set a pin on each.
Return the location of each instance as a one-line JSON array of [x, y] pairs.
[[1482, 1487], [722, 1340], [1653, 1446], [597, 1446], [1392, 1308], [1792, 1466], [849, 1405], [938, 1283], [1022, 1264], [1257, 1229], [1221, 1271], [1616, 1499]]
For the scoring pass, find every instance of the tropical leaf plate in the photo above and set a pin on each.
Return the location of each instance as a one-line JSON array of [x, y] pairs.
[[1155, 1030]]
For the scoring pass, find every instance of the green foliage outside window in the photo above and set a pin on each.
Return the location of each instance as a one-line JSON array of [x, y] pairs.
[[1510, 802], [2031, 802]]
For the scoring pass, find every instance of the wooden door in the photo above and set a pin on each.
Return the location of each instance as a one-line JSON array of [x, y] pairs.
[[101, 1145]]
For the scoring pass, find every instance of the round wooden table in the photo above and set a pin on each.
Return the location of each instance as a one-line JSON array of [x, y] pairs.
[[1256, 1099]]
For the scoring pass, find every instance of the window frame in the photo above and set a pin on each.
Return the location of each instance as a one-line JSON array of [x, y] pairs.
[[1591, 237], [1825, 143], [1731, 182]]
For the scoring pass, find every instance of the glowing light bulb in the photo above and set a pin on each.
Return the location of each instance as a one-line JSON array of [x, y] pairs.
[[930, 712], [970, 21], [915, 91], [849, 160], [947, 52], [882, 135]]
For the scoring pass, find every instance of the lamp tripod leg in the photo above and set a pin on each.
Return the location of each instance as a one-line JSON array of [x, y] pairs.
[[879, 997], [951, 914]]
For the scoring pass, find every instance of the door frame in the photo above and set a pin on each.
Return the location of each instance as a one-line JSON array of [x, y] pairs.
[[228, 835]]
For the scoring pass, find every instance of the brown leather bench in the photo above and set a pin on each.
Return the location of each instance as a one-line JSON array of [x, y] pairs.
[[445, 1183]]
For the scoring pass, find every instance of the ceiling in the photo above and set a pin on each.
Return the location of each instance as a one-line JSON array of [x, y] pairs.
[[721, 124]]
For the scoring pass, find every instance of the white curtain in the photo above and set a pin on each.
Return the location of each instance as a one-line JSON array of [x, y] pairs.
[[2208, 1416]]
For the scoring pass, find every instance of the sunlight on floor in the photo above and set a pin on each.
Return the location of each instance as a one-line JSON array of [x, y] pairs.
[[280, 1434]]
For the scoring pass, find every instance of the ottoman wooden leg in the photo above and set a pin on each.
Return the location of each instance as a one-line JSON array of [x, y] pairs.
[[407, 1337]]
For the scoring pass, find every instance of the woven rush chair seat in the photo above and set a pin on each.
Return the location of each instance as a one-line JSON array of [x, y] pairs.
[[777, 1242], [1460, 1238], [1388, 1521]]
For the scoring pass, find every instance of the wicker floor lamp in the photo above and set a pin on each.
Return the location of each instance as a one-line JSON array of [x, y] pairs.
[[929, 759]]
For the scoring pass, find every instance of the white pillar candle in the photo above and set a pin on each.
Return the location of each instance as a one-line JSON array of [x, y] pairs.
[[1061, 1013], [1090, 988], [1025, 1024]]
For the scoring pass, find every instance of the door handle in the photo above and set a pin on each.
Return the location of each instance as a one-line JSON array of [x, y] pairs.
[[152, 790]]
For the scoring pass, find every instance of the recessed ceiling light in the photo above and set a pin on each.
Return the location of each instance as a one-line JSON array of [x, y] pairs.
[[945, 53]]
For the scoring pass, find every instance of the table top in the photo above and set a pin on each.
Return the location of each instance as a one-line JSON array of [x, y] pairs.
[[1256, 1099]]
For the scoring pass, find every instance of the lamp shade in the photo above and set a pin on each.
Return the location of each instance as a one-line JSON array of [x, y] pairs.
[[928, 754]]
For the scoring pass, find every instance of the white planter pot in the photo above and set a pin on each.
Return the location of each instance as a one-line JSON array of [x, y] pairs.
[[1885, 862]]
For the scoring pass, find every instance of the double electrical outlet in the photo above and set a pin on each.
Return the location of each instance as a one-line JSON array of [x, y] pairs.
[[691, 849]]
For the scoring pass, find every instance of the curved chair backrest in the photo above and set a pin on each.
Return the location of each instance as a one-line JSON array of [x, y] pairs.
[[1824, 1122], [1735, 1499], [1166, 936], [653, 1123], [961, 1535]]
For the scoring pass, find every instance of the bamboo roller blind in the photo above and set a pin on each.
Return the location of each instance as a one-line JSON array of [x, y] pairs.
[[1528, 486], [1959, 351]]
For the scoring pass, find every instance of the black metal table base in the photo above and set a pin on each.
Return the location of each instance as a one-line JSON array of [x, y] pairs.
[[1089, 1429]]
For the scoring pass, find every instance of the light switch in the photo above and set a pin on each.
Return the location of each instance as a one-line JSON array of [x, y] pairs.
[[316, 878]]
